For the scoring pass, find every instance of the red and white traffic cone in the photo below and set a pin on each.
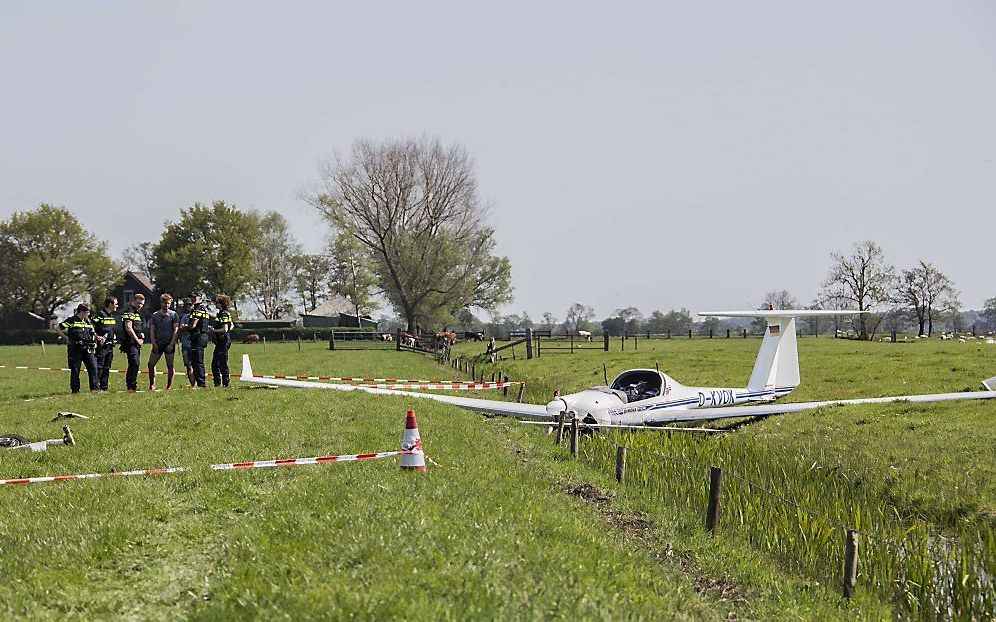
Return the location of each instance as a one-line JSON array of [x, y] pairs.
[[411, 441]]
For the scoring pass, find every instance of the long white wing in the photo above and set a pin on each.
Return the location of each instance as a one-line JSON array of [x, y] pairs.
[[705, 414], [497, 407]]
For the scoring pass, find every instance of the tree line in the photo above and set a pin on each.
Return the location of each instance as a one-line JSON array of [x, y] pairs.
[[406, 225], [920, 298]]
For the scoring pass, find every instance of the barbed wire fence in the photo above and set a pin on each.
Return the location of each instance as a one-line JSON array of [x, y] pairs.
[[821, 527]]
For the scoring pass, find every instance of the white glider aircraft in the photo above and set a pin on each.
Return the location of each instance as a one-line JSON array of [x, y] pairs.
[[641, 397]]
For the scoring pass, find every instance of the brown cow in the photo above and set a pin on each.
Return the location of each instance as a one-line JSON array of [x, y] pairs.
[[251, 338]]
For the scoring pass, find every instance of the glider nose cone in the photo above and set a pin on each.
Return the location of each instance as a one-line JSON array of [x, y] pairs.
[[556, 407]]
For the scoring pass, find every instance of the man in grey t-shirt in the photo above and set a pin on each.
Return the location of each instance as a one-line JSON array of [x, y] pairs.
[[163, 326]]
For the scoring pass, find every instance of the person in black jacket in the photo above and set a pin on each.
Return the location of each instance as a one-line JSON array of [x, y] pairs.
[[222, 332], [198, 329], [131, 342], [81, 341], [103, 326]]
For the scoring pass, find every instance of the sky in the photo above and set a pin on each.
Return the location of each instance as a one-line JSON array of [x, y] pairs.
[[657, 155]]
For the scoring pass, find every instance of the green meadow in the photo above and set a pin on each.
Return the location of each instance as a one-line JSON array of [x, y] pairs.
[[504, 524]]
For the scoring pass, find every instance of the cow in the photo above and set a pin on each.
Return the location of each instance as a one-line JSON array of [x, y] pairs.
[[251, 338], [585, 334], [386, 337], [408, 340], [444, 338], [478, 336]]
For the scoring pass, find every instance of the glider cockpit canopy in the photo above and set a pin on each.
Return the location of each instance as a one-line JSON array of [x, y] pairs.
[[638, 384]]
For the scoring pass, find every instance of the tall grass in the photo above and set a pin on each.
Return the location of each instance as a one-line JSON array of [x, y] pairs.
[[798, 512]]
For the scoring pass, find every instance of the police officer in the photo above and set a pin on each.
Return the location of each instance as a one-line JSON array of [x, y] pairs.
[[222, 332], [132, 340], [103, 326], [198, 329], [82, 343]]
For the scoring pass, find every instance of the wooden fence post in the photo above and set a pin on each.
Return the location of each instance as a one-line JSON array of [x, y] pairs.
[[727, 333], [539, 347], [745, 333], [620, 464], [605, 336], [572, 343], [560, 429], [397, 344], [529, 343], [689, 333], [715, 489], [473, 371], [522, 387], [575, 437], [299, 343], [669, 333], [504, 389], [710, 333], [636, 342], [264, 343], [622, 342], [850, 562]]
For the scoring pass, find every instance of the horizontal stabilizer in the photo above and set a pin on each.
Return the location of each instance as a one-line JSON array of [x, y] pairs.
[[775, 313]]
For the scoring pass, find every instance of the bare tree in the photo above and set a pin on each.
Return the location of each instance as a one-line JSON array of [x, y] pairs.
[[273, 266], [413, 205], [862, 281], [578, 316], [926, 293], [773, 300], [139, 257]]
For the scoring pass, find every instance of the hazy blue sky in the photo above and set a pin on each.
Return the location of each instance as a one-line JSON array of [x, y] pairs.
[[659, 155]]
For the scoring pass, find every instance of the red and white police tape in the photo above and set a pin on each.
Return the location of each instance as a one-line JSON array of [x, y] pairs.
[[369, 383], [62, 478], [411, 452], [260, 464]]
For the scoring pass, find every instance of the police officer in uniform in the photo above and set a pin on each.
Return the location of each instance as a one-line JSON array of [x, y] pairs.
[[222, 332], [198, 329], [81, 344], [103, 326], [132, 340]]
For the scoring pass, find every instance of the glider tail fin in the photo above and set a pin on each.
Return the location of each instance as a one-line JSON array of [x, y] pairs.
[[246, 368], [777, 364]]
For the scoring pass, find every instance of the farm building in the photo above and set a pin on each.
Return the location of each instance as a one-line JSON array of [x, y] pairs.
[[334, 313]]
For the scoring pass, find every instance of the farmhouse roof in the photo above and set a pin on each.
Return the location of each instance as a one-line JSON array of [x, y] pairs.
[[142, 279], [332, 307]]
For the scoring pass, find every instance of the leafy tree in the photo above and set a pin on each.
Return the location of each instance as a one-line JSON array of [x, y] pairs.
[[50, 260], [311, 279], [210, 249], [676, 321], [710, 323], [578, 317], [863, 281], [414, 206], [549, 321], [926, 294], [989, 313], [352, 273], [274, 270]]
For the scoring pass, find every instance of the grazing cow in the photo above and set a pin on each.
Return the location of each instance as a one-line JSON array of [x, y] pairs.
[[444, 338], [251, 338], [386, 337], [478, 336], [585, 334], [408, 340]]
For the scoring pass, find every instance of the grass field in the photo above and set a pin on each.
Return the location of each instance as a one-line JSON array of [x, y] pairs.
[[503, 525]]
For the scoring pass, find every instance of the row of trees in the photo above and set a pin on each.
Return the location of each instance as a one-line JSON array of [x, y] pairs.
[[406, 225]]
